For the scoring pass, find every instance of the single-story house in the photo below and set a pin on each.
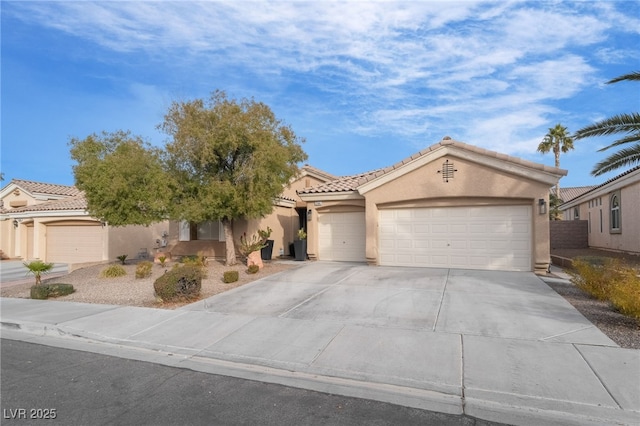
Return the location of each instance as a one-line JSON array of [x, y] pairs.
[[451, 205], [612, 210], [289, 214], [50, 222]]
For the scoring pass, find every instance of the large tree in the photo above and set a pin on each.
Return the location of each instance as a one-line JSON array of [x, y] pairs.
[[228, 159], [556, 140], [625, 124], [122, 177]]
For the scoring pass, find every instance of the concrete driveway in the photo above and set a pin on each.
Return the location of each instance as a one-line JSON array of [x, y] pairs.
[[500, 346]]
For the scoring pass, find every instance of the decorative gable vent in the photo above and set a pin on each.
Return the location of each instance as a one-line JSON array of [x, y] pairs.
[[447, 171]]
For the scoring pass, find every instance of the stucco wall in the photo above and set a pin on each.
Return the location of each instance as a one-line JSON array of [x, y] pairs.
[[472, 184], [284, 222], [600, 235], [131, 240]]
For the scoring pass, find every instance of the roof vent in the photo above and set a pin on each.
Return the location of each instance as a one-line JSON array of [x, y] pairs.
[[446, 138]]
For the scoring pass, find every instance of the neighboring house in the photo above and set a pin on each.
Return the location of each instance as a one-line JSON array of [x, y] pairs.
[[571, 192], [289, 214], [50, 222], [451, 205], [612, 210]]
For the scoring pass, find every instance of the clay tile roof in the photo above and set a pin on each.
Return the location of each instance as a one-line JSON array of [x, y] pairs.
[[46, 188], [316, 171], [342, 184], [570, 193], [351, 183], [593, 188], [77, 202]]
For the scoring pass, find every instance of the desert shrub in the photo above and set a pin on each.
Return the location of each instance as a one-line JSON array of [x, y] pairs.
[[252, 269], [183, 282], [122, 258], [625, 293], [40, 292], [195, 259], [56, 290], [230, 276], [113, 271], [595, 275], [51, 290], [143, 269]]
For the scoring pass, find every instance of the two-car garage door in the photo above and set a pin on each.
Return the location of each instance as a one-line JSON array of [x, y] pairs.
[[484, 237]]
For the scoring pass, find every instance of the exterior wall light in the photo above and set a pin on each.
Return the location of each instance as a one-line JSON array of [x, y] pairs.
[[542, 206]]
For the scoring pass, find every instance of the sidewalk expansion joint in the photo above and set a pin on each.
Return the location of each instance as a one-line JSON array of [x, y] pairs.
[[604, 385]]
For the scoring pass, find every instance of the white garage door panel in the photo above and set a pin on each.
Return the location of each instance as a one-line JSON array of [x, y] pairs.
[[74, 244], [488, 237], [341, 236]]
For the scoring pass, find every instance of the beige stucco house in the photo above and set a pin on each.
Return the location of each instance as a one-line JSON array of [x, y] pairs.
[[612, 210], [50, 222], [452, 205], [289, 214]]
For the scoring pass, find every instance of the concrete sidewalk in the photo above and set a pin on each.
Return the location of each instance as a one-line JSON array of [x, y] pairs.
[[496, 346]]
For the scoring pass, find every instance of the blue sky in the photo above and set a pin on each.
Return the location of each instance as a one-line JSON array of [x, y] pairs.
[[366, 83]]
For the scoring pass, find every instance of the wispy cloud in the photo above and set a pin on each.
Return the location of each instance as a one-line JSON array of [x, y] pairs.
[[485, 71]]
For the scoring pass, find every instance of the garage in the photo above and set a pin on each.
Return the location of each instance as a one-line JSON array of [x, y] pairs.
[[341, 236], [482, 237], [74, 243]]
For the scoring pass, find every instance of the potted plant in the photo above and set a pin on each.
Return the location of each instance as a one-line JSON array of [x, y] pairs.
[[300, 245], [267, 251]]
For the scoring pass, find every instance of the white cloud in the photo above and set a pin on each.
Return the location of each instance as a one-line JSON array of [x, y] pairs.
[[488, 71]]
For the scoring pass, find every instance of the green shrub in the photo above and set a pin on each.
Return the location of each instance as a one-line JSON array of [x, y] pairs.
[[42, 292], [56, 290], [252, 269], [113, 271], [122, 258], [183, 282], [625, 294], [143, 269], [39, 292], [230, 277], [195, 259]]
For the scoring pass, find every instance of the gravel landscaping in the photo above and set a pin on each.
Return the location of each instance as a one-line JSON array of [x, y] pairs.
[[131, 291]]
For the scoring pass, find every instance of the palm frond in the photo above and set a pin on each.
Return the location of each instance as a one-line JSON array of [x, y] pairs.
[[621, 123], [623, 158], [626, 139], [635, 75]]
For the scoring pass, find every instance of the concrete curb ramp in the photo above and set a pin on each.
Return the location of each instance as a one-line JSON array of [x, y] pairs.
[[498, 346]]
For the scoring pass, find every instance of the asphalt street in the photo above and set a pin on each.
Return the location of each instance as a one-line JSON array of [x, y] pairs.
[[48, 385]]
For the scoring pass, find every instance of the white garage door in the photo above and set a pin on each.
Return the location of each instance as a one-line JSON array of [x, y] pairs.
[[74, 243], [341, 236], [490, 237]]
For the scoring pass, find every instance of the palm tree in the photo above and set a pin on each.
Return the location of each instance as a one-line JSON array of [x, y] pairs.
[[37, 268], [627, 124], [557, 140]]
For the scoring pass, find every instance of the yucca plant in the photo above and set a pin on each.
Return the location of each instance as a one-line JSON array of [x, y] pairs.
[[37, 268]]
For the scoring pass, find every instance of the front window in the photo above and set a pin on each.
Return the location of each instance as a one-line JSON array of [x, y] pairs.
[[615, 213], [576, 213], [211, 230]]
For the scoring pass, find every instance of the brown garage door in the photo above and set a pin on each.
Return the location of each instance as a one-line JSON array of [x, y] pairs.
[[74, 243]]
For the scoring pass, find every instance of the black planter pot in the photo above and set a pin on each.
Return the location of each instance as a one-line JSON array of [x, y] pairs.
[[266, 253], [300, 249]]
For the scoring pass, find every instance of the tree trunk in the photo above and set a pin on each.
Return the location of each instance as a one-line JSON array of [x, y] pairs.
[[227, 224]]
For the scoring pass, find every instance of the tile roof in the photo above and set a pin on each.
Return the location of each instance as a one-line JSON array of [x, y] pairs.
[[341, 184], [46, 188], [351, 183], [613, 179], [570, 193], [316, 171], [77, 202]]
